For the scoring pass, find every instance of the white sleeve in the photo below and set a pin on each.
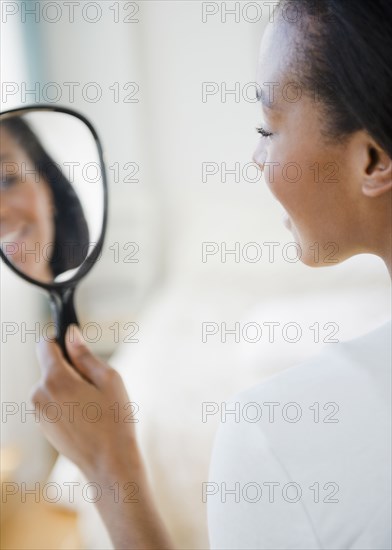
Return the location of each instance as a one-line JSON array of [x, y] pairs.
[[252, 503]]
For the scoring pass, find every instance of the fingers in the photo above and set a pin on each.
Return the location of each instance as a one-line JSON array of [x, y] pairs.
[[57, 374], [89, 366], [84, 363], [51, 359]]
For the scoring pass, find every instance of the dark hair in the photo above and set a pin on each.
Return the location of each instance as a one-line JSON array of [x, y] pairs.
[[344, 53], [71, 239]]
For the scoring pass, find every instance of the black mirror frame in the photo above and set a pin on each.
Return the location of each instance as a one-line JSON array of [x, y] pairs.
[[61, 293]]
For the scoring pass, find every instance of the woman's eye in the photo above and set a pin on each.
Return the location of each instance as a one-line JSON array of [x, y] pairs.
[[8, 181], [263, 133]]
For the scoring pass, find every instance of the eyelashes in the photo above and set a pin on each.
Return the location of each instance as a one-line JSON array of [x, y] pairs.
[[263, 133]]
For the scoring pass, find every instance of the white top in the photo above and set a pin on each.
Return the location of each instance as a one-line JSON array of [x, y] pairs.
[[305, 459]]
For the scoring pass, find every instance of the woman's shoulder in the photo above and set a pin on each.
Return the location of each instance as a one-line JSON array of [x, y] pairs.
[[313, 412], [322, 424], [362, 360]]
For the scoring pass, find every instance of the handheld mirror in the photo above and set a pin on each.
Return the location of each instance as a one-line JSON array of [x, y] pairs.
[[53, 202]]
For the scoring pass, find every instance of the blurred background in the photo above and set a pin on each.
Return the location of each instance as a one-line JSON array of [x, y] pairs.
[[168, 86]]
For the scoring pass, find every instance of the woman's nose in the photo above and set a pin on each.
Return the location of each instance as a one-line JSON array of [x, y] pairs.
[[259, 155]]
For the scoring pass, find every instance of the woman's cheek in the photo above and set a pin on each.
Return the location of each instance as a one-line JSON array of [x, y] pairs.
[[20, 203], [273, 173]]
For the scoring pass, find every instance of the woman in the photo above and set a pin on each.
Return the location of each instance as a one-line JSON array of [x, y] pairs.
[[40, 210], [322, 482]]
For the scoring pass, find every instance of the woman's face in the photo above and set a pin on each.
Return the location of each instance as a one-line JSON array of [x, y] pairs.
[[318, 182], [26, 211]]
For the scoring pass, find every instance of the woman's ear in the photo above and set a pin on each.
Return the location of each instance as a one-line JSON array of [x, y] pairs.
[[378, 174]]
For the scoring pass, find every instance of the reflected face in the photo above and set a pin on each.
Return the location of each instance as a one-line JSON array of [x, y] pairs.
[[313, 178], [27, 228]]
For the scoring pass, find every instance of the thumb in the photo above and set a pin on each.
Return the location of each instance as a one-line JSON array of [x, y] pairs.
[[90, 367]]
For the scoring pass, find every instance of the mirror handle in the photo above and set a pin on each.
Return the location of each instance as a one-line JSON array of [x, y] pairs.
[[64, 314]]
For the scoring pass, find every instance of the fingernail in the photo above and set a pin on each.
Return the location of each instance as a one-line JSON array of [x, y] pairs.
[[75, 336]]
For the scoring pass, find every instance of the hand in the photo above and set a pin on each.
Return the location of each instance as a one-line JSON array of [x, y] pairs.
[[84, 409], [85, 413]]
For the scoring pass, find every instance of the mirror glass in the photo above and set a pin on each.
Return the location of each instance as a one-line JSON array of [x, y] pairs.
[[51, 193]]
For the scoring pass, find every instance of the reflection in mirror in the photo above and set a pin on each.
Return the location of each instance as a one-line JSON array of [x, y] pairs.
[[51, 194]]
